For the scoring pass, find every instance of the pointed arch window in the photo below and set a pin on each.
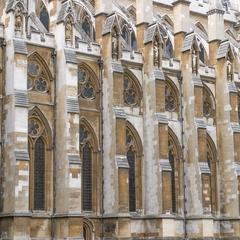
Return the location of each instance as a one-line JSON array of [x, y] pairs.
[[208, 105], [202, 53], [171, 98], [209, 179], [133, 41], [86, 26], [44, 17], [131, 92], [168, 49], [86, 153], [125, 34], [37, 150], [86, 86], [132, 178], [38, 79], [39, 175], [171, 161]]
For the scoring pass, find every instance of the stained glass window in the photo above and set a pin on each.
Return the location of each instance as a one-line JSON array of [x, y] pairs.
[[44, 18], [86, 85], [168, 49], [87, 178], [39, 175], [132, 186], [86, 27], [131, 96], [171, 160], [37, 78], [202, 54]]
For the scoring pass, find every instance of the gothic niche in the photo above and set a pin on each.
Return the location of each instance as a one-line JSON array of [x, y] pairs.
[[157, 51], [208, 110], [229, 68], [195, 61], [69, 30], [131, 95], [115, 44], [19, 19], [37, 79], [86, 85], [171, 102]]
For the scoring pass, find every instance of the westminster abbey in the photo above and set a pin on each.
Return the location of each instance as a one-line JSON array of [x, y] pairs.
[[120, 119]]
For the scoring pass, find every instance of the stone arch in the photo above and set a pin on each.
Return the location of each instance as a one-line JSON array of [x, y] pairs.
[[39, 74], [171, 96], [136, 84], [41, 157], [212, 163], [90, 160], [209, 105], [88, 229], [175, 160], [134, 150]]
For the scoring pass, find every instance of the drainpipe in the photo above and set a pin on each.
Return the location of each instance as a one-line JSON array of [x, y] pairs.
[[180, 79], [100, 64]]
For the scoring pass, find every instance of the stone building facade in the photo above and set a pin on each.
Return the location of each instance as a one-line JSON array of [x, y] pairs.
[[119, 119]]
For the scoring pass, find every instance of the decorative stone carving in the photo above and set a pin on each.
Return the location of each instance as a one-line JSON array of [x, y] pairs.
[[18, 19], [229, 69], [68, 30], [194, 61], [157, 52], [131, 95], [115, 44], [170, 99]]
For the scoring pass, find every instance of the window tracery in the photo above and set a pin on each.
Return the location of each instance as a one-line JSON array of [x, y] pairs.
[[171, 102], [87, 89], [38, 140], [168, 49], [37, 77], [86, 26], [131, 161], [202, 54], [44, 17], [208, 108], [87, 168], [131, 94]]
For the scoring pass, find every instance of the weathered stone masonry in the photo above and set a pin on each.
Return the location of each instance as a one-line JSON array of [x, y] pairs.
[[119, 119]]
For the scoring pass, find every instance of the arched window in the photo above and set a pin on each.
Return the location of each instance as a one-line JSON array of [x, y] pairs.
[[40, 161], [87, 88], [132, 184], [210, 180], [86, 26], [87, 178], [134, 155], [132, 95], [171, 161], [172, 181], [168, 49], [202, 53], [89, 163], [171, 98], [44, 17], [125, 34], [38, 75], [208, 104], [133, 41], [39, 175]]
